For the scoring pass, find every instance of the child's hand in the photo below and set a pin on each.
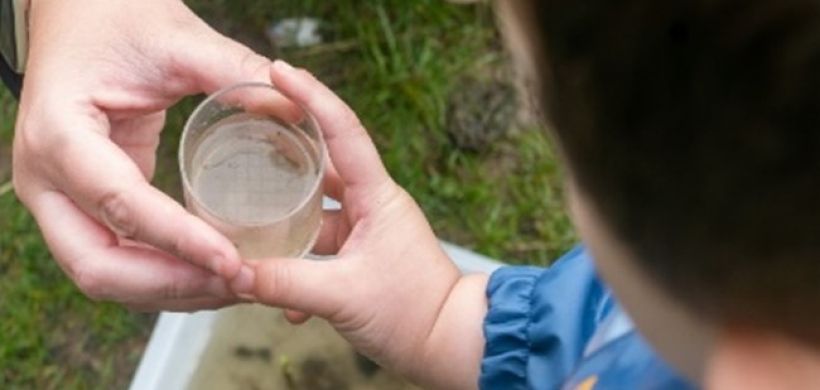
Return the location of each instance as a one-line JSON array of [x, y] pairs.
[[392, 291]]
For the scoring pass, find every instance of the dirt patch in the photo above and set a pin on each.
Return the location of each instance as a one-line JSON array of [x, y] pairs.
[[479, 111], [253, 347]]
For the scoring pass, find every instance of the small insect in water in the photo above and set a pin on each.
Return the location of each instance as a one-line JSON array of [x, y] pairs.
[[249, 353]]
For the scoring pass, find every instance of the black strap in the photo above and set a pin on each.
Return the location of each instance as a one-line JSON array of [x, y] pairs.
[[13, 81]]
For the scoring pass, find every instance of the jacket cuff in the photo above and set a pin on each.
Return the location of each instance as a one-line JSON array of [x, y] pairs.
[[506, 328]]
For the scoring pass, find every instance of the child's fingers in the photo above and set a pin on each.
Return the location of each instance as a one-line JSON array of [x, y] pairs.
[[334, 228], [303, 285], [211, 65], [350, 147], [296, 317], [333, 185]]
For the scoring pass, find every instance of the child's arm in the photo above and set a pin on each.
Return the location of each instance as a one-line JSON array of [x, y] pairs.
[[392, 292], [455, 347]]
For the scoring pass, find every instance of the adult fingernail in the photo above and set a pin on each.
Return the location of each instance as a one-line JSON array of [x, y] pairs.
[[283, 66], [224, 266], [243, 282]]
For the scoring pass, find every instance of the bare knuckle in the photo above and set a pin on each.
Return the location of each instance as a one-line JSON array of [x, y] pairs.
[[173, 290], [317, 102], [38, 128], [116, 213], [41, 152], [387, 193], [277, 284], [178, 246], [253, 64], [90, 283], [352, 120], [29, 141]]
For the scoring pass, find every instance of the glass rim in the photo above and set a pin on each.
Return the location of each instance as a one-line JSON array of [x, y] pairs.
[[186, 181]]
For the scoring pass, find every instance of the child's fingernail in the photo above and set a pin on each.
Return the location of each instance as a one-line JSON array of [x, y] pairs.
[[243, 282], [283, 66]]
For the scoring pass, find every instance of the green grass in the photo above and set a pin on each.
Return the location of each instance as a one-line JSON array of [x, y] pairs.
[[50, 335], [396, 63], [404, 60]]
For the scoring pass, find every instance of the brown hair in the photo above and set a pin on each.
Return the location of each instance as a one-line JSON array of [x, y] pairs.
[[693, 126]]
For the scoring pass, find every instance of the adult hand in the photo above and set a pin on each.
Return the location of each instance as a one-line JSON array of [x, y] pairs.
[[391, 291], [99, 77]]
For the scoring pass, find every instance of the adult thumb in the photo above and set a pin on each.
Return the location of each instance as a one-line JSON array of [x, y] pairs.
[[217, 62]]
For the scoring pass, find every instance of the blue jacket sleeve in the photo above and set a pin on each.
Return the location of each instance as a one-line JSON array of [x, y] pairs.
[[539, 322]]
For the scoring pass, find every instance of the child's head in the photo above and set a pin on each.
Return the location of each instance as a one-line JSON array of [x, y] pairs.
[[691, 127]]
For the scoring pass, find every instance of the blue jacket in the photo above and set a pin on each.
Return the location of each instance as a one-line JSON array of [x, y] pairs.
[[561, 328]]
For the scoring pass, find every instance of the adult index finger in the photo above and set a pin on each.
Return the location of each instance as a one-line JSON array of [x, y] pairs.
[[104, 269], [101, 179]]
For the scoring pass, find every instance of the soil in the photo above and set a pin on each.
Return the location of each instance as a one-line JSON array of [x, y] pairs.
[[254, 347], [480, 111]]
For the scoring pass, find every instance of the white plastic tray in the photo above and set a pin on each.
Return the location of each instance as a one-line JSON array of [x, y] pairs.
[[179, 339]]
